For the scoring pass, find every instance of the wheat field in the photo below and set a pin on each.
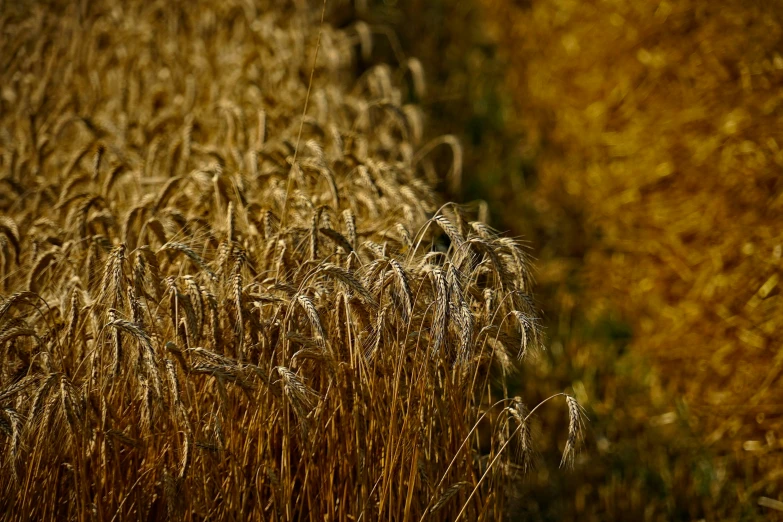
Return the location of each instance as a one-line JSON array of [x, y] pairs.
[[229, 288]]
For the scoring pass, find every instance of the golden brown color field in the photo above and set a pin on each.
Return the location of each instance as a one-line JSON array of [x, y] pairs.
[[634, 145], [654, 128], [229, 291]]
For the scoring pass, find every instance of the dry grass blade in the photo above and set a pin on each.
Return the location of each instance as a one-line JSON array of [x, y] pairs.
[[116, 346], [525, 452], [404, 289], [301, 398], [529, 333], [17, 387], [447, 495], [350, 226], [189, 252], [11, 230], [455, 173], [350, 281], [18, 298], [111, 283], [467, 327], [450, 230], [312, 314], [338, 239], [441, 321], [15, 332], [575, 431]]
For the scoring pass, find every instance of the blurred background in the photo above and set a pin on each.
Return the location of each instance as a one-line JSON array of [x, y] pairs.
[[636, 147]]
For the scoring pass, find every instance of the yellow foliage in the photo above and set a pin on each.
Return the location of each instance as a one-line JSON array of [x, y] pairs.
[[658, 124]]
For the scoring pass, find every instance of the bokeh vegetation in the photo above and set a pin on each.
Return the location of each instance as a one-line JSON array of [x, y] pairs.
[[635, 146]]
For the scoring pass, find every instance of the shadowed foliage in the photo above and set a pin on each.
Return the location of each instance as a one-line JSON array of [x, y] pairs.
[[655, 131]]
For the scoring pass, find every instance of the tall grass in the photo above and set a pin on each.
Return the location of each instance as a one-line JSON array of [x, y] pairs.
[[216, 306]]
